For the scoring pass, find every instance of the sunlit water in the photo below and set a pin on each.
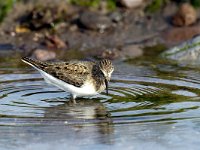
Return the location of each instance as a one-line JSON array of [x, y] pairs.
[[149, 106]]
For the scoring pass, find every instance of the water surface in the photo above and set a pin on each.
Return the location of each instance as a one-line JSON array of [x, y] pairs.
[[151, 105]]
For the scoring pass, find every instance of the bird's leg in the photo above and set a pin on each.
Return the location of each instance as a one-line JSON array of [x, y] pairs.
[[73, 97]]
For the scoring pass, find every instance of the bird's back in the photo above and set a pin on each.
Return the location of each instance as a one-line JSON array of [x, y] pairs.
[[71, 72]]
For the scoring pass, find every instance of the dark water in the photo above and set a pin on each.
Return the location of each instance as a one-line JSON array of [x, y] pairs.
[[151, 105]]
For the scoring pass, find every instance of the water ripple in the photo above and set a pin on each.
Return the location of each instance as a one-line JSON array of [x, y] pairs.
[[135, 94]]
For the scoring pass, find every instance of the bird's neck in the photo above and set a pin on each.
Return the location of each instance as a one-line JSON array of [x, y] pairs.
[[99, 78]]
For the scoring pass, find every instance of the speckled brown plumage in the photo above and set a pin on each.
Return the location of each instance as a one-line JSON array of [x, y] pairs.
[[76, 72]]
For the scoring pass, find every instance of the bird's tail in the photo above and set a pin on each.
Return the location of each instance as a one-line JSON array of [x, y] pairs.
[[34, 63]]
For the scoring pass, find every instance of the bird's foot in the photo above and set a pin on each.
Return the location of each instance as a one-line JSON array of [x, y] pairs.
[[73, 99]]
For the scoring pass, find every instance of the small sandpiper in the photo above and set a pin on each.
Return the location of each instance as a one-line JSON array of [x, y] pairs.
[[80, 78]]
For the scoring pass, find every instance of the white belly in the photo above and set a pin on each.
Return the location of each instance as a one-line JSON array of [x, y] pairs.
[[85, 90]]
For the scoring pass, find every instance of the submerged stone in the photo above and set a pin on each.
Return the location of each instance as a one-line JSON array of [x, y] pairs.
[[187, 51]]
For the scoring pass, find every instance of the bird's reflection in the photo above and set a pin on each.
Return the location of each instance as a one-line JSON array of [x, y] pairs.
[[84, 114], [84, 109], [87, 122]]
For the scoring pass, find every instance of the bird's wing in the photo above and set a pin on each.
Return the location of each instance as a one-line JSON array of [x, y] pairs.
[[74, 72]]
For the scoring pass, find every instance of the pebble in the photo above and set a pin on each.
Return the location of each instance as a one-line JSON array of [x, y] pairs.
[[44, 55], [110, 54], [131, 51], [53, 41], [131, 3], [95, 21], [185, 16], [116, 16], [20, 29], [126, 52]]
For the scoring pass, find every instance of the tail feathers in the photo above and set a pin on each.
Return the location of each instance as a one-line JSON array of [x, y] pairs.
[[34, 63]]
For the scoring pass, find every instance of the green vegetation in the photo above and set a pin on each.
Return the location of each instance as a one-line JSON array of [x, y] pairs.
[[195, 3], [186, 47], [155, 6], [154, 50], [5, 6], [110, 4], [86, 3]]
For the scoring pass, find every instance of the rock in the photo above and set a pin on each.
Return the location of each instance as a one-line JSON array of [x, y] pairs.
[[126, 52], [116, 16], [73, 28], [110, 54], [179, 34], [54, 42], [20, 29], [131, 51], [43, 16], [37, 37], [185, 16], [95, 21], [44, 55], [188, 51], [131, 3]]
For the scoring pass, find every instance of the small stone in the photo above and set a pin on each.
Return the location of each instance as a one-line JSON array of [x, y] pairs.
[[21, 29], [54, 42], [43, 16], [95, 21], [131, 3], [44, 55], [131, 51], [116, 16], [110, 54], [185, 16], [126, 52], [73, 28], [13, 34], [37, 37]]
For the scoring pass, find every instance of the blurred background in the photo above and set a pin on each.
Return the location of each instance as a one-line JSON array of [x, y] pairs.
[[114, 29]]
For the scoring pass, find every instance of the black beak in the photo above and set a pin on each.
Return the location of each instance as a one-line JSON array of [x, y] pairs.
[[106, 82]]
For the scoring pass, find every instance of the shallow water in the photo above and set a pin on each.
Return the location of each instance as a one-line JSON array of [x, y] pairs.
[[151, 105]]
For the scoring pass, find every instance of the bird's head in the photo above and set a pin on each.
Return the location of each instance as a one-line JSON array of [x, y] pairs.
[[107, 69]]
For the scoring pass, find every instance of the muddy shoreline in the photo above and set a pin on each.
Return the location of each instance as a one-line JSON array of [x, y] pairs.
[[119, 34]]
